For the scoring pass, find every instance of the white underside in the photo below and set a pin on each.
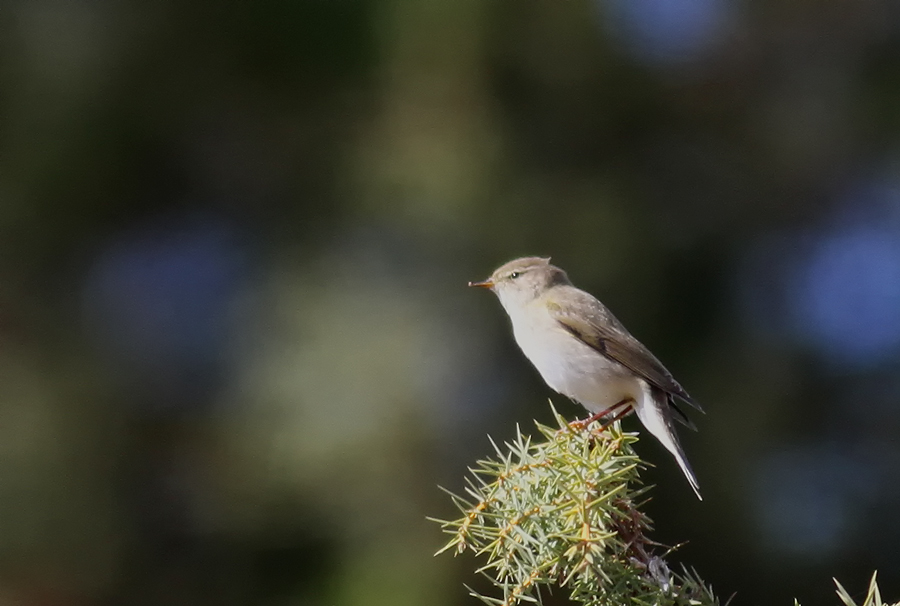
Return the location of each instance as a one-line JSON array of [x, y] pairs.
[[571, 367]]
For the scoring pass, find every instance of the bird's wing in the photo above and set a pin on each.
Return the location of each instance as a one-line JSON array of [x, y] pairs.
[[602, 331]]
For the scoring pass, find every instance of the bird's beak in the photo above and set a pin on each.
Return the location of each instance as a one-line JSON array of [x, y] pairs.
[[485, 284]]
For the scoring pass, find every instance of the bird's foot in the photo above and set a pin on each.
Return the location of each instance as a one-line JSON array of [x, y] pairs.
[[614, 410]]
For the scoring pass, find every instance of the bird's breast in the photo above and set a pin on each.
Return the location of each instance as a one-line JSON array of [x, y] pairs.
[[571, 367]]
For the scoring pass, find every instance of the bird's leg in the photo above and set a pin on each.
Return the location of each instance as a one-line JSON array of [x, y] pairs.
[[599, 415], [618, 417]]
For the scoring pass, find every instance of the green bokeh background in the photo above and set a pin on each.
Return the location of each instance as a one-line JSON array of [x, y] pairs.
[[237, 354]]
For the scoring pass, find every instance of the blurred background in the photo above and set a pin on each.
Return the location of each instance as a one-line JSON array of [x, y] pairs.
[[237, 353]]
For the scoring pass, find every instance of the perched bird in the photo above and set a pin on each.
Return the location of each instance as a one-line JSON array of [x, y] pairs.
[[582, 351]]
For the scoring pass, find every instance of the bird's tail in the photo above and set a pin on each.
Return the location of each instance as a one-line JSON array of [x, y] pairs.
[[653, 411]]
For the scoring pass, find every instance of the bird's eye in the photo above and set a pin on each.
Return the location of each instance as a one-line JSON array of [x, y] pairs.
[[515, 274]]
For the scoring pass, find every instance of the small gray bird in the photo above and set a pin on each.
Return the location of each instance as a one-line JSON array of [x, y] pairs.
[[582, 351]]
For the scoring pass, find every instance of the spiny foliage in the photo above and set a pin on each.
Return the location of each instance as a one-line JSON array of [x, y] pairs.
[[873, 596], [561, 512]]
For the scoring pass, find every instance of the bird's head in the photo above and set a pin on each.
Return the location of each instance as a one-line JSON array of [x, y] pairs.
[[521, 281]]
